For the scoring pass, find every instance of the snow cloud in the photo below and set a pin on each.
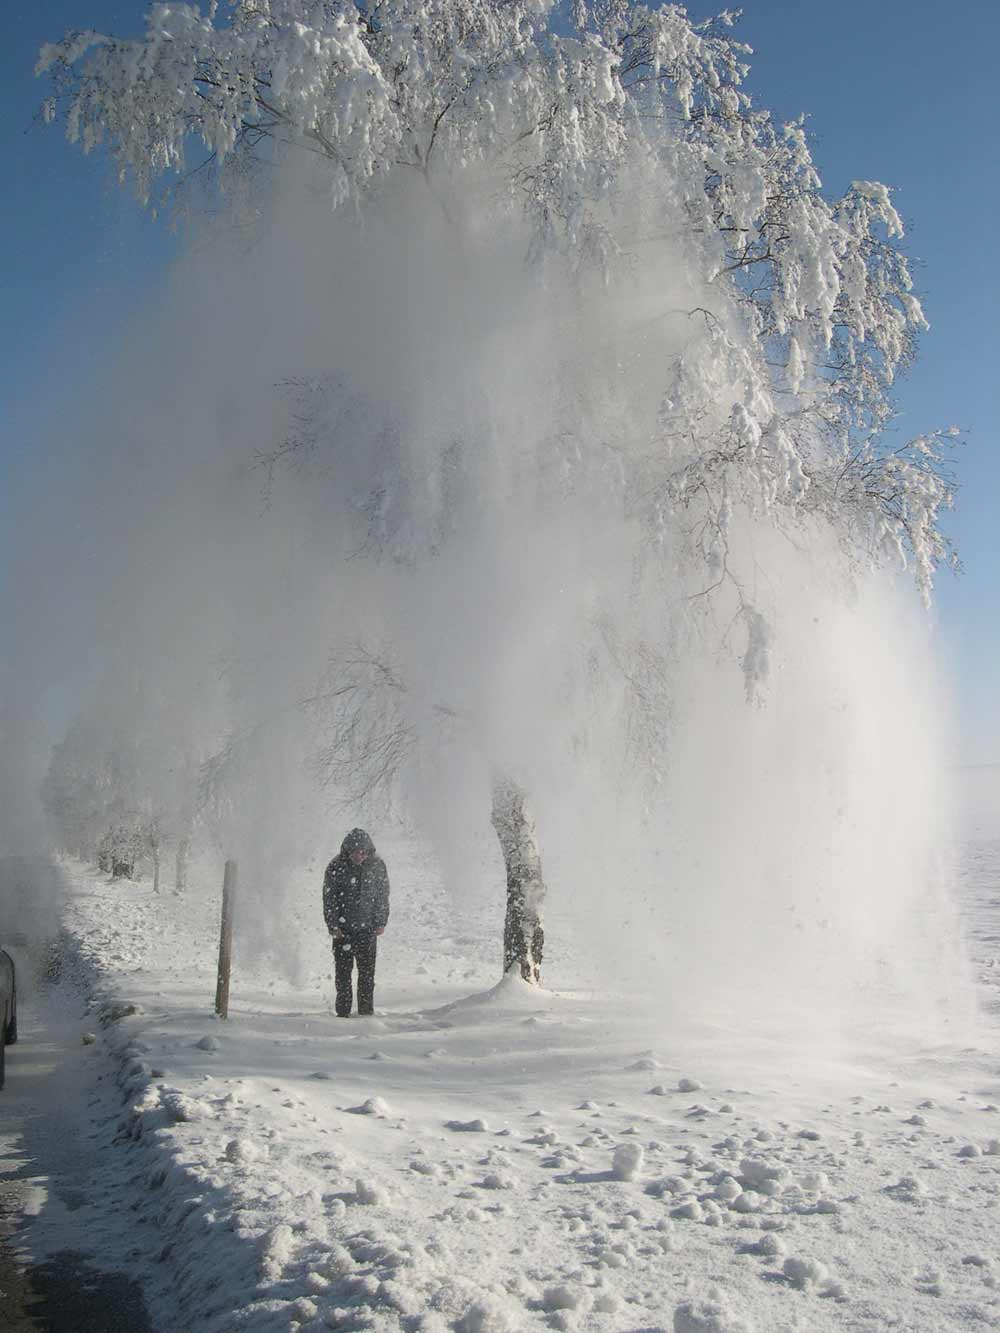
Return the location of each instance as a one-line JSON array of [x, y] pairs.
[[391, 460]]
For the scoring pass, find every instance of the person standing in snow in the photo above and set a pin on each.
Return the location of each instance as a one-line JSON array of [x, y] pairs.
[[356, 911]]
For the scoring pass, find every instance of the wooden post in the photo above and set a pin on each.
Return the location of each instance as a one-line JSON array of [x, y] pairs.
[[226, 940]]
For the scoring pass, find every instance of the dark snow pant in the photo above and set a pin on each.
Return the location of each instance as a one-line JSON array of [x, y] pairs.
[[359, 947]]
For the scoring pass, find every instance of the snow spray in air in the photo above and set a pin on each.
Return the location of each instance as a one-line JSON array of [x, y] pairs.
[[409, 464]]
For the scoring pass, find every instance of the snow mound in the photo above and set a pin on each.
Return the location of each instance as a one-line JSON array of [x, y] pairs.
[[369, 1192], [627, 1161], [423, 1168], [804, 1272], [372, 1106], [709, 1316], [769, 1246], [563, 1297], [275, 1250], [116, 1010], [488, 1316], [758, 1174], [244, 1150], [208, 1044], [495, 1180], [182, 1108], [748, 1202], [908, 1189], [728, 1189], [510, 993]]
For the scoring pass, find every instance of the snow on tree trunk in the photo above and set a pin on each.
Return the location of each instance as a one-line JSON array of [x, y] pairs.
[[180, 864], [523, 933]]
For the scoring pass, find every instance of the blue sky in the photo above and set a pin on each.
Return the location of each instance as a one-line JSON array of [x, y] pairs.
[[901, 91]]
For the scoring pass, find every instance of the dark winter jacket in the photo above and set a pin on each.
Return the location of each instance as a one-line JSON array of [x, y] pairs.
[[356, 897]]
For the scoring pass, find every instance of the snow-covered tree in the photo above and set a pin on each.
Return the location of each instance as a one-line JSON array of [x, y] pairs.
[[563, 108], [94, 797], [121, 787], [750, 384]]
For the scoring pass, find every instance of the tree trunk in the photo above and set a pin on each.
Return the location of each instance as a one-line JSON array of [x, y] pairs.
[[523, 935], [155, 851], [181, 864]]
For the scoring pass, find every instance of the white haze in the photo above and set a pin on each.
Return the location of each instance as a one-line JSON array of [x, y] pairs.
[[789, 855]]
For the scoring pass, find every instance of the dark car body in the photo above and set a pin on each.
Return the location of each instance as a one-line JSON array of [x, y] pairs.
[[8, 1007]]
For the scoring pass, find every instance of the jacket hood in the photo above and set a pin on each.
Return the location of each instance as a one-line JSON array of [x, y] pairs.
[[357, 840]]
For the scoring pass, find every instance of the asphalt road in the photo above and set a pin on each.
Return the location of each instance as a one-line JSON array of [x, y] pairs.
[[57, 1271]]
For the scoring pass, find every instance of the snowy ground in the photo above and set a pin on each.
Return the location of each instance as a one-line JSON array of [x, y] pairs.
[[478, 1159]]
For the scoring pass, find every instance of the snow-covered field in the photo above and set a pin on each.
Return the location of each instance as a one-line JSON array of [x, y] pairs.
[[480, 1158]]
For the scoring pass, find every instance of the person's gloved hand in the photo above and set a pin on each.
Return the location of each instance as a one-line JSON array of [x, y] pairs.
[[380, 931]]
